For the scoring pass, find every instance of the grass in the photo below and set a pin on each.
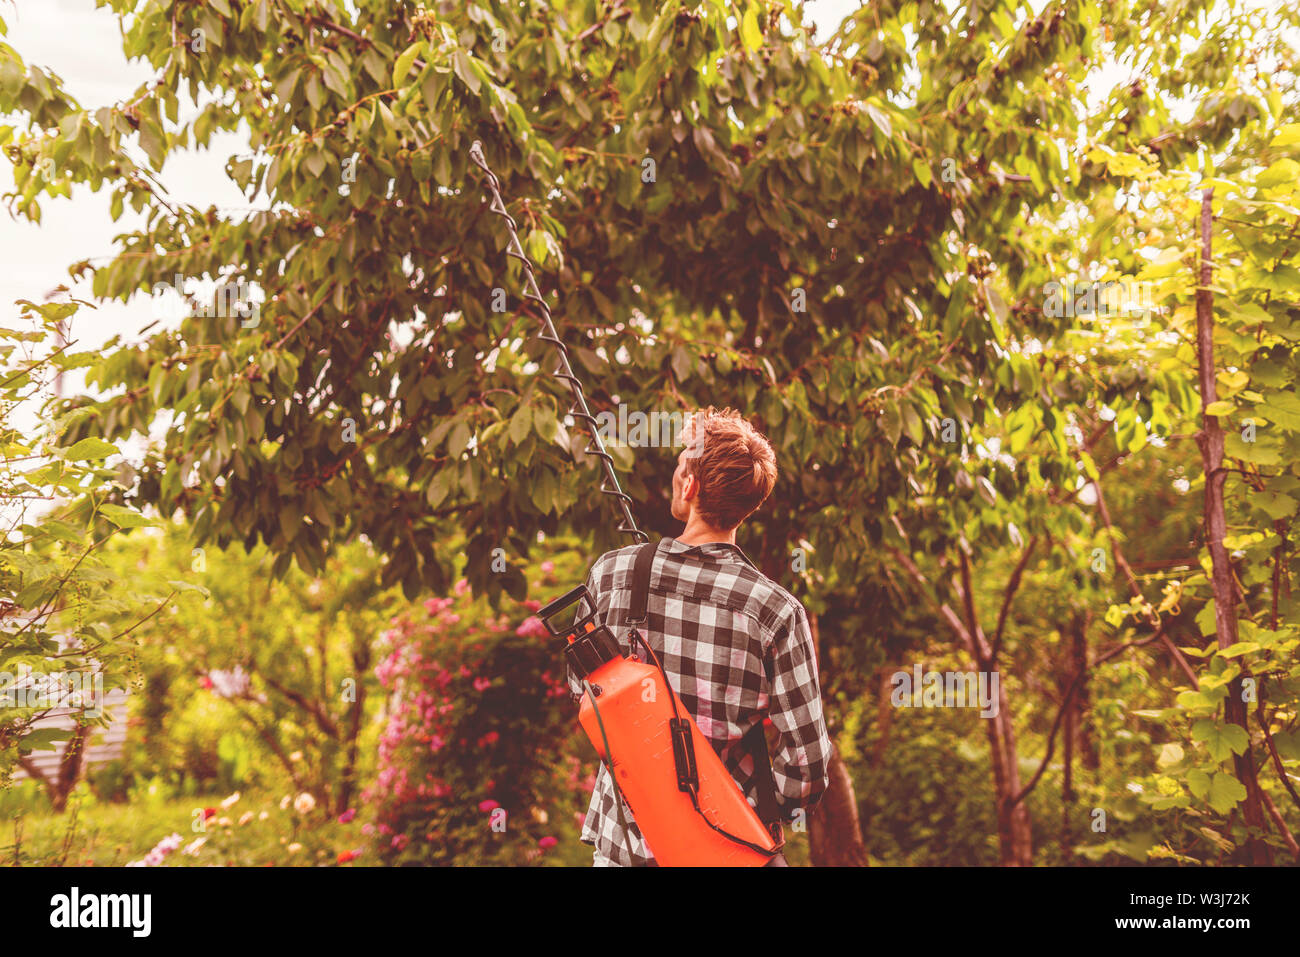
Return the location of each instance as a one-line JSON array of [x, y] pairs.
[[90, 833], [252, 831]]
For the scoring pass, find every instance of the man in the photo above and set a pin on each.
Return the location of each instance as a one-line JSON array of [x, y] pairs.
[[736, 645]]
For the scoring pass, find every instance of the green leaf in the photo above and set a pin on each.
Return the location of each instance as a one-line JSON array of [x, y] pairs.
[[892, 421], [881, 119], [459, 441], [90, 449], [290, 520], [1274, 504], [1226, 792], [188, 586], [1198, 700], [521, 424], [1282, 173], [315, 163], [543, 491], [750, 34], [440, 487], [681, 363], [1288, 135], [465, 70], [1198, 782], [998, 319], [1284, 409], [154, 142], [922, 171], [1169, 754], [63, 531], [404, 62], [1261, 453], [1237, 650], [912, 424], [42, 739], [124, 517], [1221, 739]]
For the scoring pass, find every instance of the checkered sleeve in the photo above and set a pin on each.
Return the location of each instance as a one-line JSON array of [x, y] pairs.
[[800, 767]]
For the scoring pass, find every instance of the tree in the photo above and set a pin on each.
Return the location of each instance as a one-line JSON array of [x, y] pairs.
[[824, 236], [293, 657], [58, 654]]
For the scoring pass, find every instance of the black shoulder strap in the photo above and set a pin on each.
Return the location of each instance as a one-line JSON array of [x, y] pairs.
[[645, 556], [756, 742]]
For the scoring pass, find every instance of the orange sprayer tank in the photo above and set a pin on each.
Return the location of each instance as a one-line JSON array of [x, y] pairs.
[[636, 709]]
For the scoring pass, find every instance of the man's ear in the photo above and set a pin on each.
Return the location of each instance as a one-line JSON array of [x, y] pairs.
[[690, 488]]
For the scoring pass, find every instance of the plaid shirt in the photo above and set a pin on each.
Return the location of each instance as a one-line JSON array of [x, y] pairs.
[[736, 647]]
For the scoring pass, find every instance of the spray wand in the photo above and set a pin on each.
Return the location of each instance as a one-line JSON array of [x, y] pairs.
[[580, 410]]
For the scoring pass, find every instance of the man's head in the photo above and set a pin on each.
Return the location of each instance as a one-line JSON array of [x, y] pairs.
[[725, 472]]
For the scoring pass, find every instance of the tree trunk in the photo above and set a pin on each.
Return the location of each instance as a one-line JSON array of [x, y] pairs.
[[1068, 732], [884, 718], [834, 836], [58, 789], [1087, 743], [1210, 440], [347, 780], [1015, 831]]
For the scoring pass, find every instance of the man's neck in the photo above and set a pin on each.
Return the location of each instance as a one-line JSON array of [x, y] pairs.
[[698, 533]]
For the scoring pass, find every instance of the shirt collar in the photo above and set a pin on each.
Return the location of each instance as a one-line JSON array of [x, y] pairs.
[[709, 550]]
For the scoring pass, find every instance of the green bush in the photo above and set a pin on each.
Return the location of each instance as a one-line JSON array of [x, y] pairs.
[[110, 781], [23, 797]]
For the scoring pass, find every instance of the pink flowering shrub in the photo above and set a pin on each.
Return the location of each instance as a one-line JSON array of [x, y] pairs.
[[480, 760]]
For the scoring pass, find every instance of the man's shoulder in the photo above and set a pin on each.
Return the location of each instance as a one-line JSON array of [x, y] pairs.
[[612, 562], [760, 596], [781, 606]]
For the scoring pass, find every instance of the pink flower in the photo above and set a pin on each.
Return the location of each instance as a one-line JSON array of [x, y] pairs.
[[488, 805], [532, 604], [347, 815], [531, 628], [548, 567], [461, 586], [482, 684], [547, 842]]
